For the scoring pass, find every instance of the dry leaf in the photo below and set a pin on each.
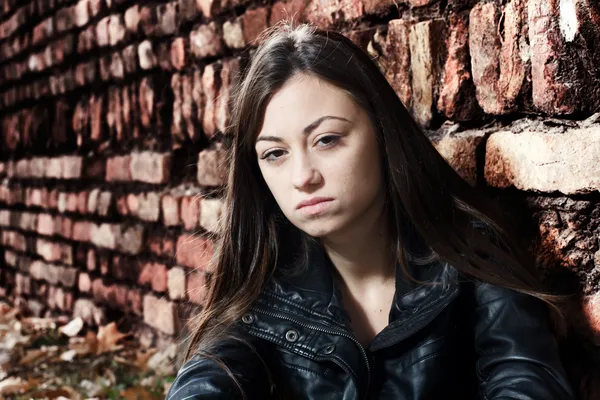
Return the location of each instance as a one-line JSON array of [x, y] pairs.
[[142, 357], [108, 336], [33, 355], [72, 328], [138, 393], [33, 324], [13, 385]]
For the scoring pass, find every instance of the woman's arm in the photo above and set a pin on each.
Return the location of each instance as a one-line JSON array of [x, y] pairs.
[[202, 378], [517, 353]]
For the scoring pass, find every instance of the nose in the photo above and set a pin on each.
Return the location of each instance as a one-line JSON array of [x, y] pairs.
[[304, 174]]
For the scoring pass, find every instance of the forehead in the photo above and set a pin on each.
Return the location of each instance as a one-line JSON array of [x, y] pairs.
[[303, 99]]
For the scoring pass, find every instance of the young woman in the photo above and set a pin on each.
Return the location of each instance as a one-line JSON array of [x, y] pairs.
[[353, 262]]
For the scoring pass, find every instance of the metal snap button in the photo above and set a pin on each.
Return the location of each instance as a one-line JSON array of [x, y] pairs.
[[329, 349], [291, 335], [247, 318]]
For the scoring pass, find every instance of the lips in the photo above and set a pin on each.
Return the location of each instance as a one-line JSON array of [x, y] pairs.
[[312, 202]]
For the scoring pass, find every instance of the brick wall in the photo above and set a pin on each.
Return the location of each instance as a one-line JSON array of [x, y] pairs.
[[112, 111]]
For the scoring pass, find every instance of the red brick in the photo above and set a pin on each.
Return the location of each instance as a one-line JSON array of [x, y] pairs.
[[179, 49], [325, 13], [146, 55], [103, 262], [146, 102], [196, 287], [457, 90], [116, 30], [496, 63], [64, 227], [212, 210], [117, 68], [82, 231], [161, 314], [94, 168], [129, 57], [91, 264], [229, 74], [84, 283], [205, 41], [102, 32], [155, 244], [210, 90], [118, 169], [132, 18], [105, 202], [22, 284], [212, 166], [168, 18], [190, 113], [104, 68], [81, 13], [72, 202], [67, 276], [154, 275], [253, 23], [98, 290], [45, 225], [283, 10], [170, 210], [82, 200], [53, 199], [121, 205], [177, 119], [135, 301], [194, 251], [148, 20], [97, 109], [105, 235], [149, 206], [151, 167], [49, 251], [190, 212]]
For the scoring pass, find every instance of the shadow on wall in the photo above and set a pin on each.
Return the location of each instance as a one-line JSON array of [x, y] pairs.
[[579, 348]]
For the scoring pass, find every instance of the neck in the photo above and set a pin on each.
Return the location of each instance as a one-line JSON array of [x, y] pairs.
[[363, 255]]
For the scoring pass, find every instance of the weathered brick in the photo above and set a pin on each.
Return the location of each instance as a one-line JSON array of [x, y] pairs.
[[562, 161], [131, 239], [205, 41], [135, 301], [148, 20], [161, 314], [457, 91], [170, 210], [117, 69], [168, 18], [71, 167], [149, 206], [150, 167], [105, 235], [102, 38], [210, 89], [229, 75], [397, 59], [176, 283], [81, 13], [325, 13], [212, 166], [233, 34], [497, 63], [84, 283], [210, 8], [132, 18], [253, 23], [45, 225], [118, 168], [82, 231], [424, 41], [177, 129], [89, 312], [196, 287], [284, 9], [194, 251], [178, 53], [212, 209], [146, 55], [154, 275], [190, 212], [116, 30], [146, 102], [54, 168]]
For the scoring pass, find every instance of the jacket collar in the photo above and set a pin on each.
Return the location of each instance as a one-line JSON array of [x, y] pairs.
[[313, 293]]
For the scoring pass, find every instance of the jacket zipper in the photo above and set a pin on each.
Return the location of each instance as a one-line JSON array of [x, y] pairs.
[[328, 331]]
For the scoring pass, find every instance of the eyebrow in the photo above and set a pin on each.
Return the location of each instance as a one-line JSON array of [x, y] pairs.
[[306, 131]]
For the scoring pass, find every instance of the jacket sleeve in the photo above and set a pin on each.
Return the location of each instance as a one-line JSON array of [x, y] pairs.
[[517, 354], [203, 378]]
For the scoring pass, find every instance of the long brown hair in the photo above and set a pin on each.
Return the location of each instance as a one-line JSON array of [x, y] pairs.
[[425, 196]]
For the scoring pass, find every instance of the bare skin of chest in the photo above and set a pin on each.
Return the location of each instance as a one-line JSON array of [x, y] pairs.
[[369, 311]]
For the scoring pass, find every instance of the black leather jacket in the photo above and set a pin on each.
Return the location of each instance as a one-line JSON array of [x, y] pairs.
[[447, 339]]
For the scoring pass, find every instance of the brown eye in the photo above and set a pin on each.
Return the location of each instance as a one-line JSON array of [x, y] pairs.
[[328, 140], [272, 155]]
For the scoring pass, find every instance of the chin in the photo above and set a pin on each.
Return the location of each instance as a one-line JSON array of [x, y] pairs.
[[318, 229]]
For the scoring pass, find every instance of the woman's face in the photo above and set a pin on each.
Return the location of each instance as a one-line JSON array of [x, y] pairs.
[[317, 151]]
